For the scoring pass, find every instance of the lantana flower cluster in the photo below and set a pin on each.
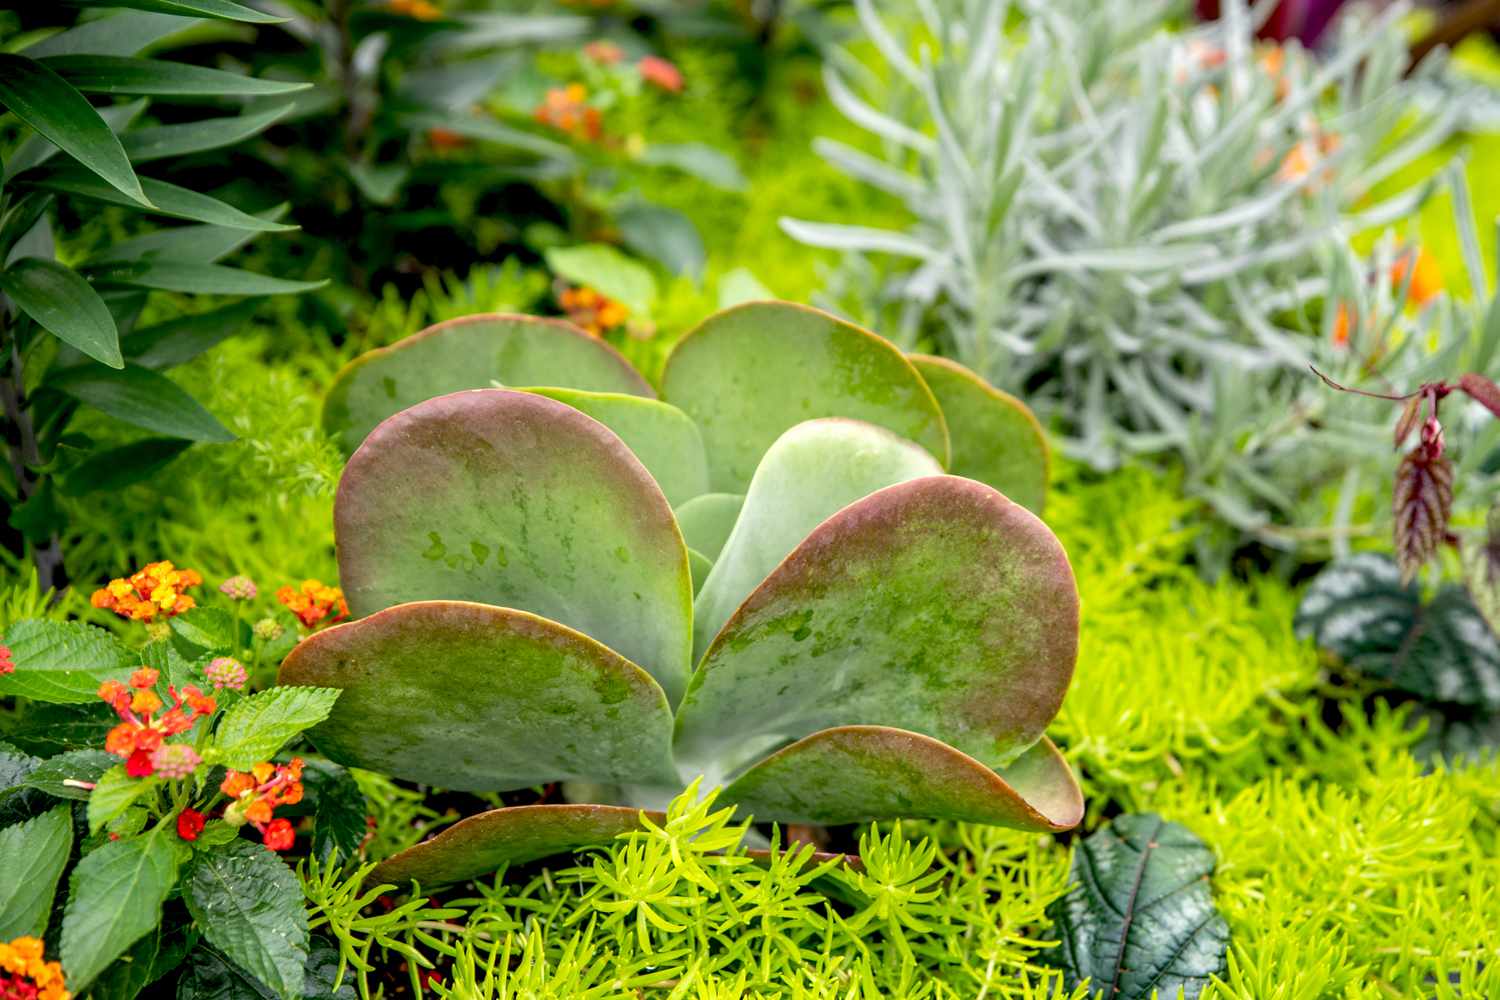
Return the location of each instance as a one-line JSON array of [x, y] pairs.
[[254, 794], [567, 110], [592, 310], [313, 602], [7, 663], [26, 975], [158, 589], [141, 737]]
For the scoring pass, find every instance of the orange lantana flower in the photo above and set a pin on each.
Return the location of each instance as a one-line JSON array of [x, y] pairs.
[[313, 602], [157, 589]]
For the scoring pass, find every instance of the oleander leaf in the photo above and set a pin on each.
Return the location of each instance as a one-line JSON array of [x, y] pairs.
[[248, 904], [116, 896], [748, 374], [65, 305], [32, 856], [226, 10], [1360, 611], [1140, 917], [104, 74], [166, 199], [142, 398]]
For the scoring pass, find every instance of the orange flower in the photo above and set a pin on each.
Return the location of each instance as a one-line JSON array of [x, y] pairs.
[[1426, 279], [446, 139], [566, 109], [655, 69], [158, 588], [1342, 323], [313, 602], [139, 735], [604, 53], [257, 793], [422, 10], [7, 664], [26, 975], [591, 310]]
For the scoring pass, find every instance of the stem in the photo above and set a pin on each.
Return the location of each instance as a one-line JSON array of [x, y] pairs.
[[24, 455]]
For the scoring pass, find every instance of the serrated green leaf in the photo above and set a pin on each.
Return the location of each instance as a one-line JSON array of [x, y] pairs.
[[215, 834], [339, 809], [166, 199], [211, 976], [198, 279], [61, 662], [254, 728], [65, 305], [114, 793], [1359, 610], [97, 74], [203, 631], [79, 766], [32, 856], [15, 766], [42, 99], [116, 896], [1140, 917], [142, 398], [132, 972], [249, 905]]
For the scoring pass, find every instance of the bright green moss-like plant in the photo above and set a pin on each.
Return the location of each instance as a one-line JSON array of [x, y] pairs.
[[827, 624]]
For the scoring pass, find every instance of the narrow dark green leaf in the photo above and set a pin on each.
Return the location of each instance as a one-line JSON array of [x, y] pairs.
[[42, 99], [1359, 610], [199, 279], [117, 468], [116, 898], [1140, 917], [36, 150], [141, 398], [32, 856], [189, 244], [122, 34], [78, 766], [249, 906], [22, 215], [254, 728], [226, 10], [167, 199], [61, 662], [160, 78], [65, 305], [146, 144], [182, 339]]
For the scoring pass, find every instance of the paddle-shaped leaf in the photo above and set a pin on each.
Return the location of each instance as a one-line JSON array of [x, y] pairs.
[[476, 697], [480, 844], [749, 373], [707, 520], [936, 606], [809, 474], [994, 436], [1359, 610], [475, 352], [1140, 921], [854, 774], [512, 499]]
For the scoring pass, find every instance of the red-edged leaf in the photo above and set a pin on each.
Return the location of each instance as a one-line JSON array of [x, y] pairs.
[[1423, 503], [1478, 387], [1407, 422]]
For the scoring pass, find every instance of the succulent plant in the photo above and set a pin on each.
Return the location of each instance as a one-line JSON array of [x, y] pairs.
[[868, 635]]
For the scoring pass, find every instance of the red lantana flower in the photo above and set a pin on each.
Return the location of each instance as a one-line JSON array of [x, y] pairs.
[[139, 735], [7, 664], [260, 790], [278, 835], [189, 824], [655, 69]]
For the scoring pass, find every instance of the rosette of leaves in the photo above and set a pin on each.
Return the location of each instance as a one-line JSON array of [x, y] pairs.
[[95, 136], [772, 576]]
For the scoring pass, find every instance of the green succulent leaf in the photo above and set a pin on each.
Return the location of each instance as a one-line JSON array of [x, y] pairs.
[[65, 305], [475, 352], [812, 472], [748, 374], [994, 436], [32, 856], [707, 520], [1359, 610], [101, 74], [1140, 920], [512, 499], [936, 606], [249, 905], [660, 435], [856, 774], [475, 697], [253, 729], [62, 662], [117, 891], [699, 565], [483, 843], [142, 398], [44, 100]]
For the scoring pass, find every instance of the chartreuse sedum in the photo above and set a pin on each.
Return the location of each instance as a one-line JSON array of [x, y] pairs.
[[808, 570]]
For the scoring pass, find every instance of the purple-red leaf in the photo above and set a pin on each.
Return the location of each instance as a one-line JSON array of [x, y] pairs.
[[1478, 387], [1423, 504], [1410, 413]]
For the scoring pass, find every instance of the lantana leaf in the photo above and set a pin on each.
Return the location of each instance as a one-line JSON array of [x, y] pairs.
[[116, 895], [253, 729], [61, 662], [248, 904], [32, 856]]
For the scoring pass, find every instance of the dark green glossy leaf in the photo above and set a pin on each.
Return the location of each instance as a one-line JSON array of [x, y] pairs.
[[65, 305], [32, 856], [339, 810], [187, 244], [1359, 611], [166, 199], [198, 279], [42, 99], [226, 10], [141, 398], [122, 34], [248, 904], [1140, 917], [99, 74], [114, 793], [182, 339], [117, 468], [116, 896], [161, 141]]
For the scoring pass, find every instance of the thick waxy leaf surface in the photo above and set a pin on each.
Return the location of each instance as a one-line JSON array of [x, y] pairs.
[[809, 474], [481, 844], [1359, 610], [1140, 917], [707, 520], [475, 352], [476, 697], [749, 373], [854, 774], [512, 499], [936, 606], [995, 438], [661, 436]]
